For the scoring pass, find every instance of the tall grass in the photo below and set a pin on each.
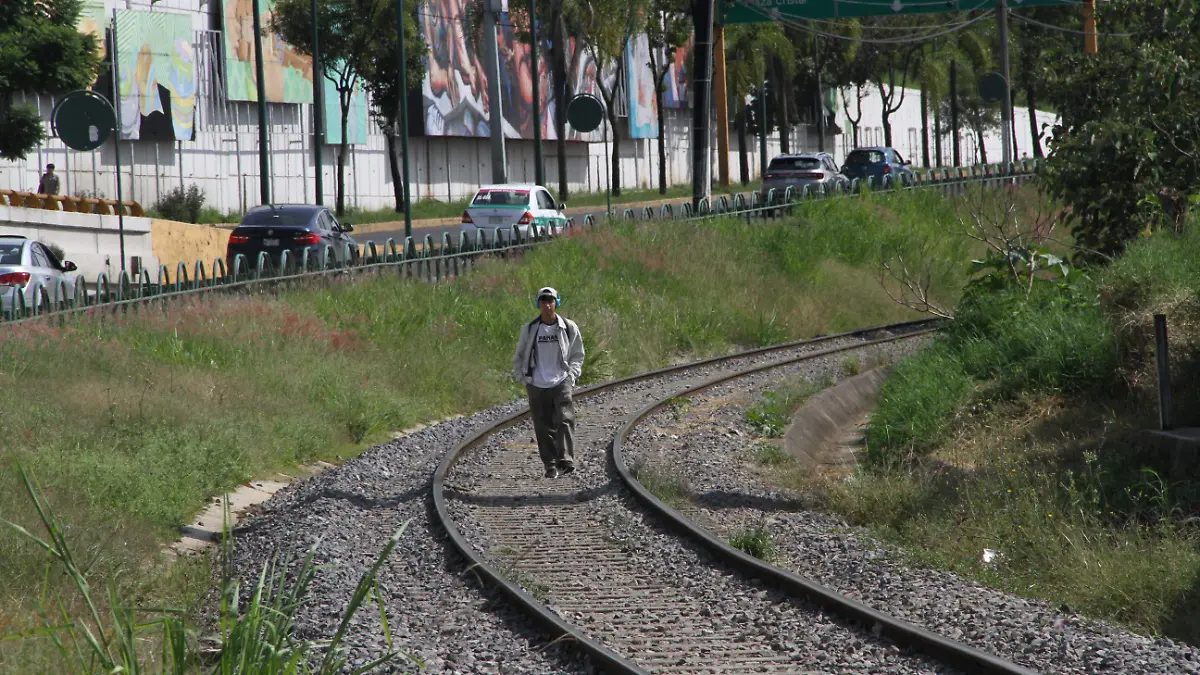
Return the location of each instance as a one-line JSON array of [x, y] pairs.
[[135, 421], [1022, 419], [109, 635]]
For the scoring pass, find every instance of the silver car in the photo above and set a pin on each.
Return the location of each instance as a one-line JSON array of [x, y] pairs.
[[26, 265], [814, 170]]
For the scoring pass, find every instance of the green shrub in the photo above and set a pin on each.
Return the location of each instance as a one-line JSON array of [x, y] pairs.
[[755, 541], [917, 403], [181, 205]]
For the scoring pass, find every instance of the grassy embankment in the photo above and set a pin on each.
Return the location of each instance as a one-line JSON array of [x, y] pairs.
[[1017, 432], [133, 423]]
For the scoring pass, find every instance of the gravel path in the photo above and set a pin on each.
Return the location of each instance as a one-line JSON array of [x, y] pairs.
[[711, 448]]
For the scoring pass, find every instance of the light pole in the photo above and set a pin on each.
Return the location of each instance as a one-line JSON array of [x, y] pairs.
[[402, 94], [318, 107], [539, 170], [264, 146]]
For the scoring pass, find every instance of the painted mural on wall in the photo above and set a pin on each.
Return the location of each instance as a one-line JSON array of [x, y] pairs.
[[157, 89], [643, 115], [356, 125], [679, 77], [94, 20], [455, 100], [287, 74]]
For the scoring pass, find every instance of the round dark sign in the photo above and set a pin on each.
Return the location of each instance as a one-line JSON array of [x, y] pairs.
[[585, 112], [83, 119], [991, 88]]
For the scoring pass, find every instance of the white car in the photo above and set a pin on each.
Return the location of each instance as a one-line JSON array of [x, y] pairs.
[[525, 206], [25, 266]]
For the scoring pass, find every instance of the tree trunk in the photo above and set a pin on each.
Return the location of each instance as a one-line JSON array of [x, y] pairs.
[[937, 134], [924, 128], [662, 140], [982, 147], [781, 110], [1012, 129], [343, 150], [743, 155], [615, 139], [887, 127], [397, 179], [1034, 133]]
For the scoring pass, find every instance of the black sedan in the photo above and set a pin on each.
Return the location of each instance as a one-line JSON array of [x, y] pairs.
[[276, 228]]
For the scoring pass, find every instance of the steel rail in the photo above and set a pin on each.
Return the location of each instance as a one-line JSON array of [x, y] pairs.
[[944, 649], [548, 619]]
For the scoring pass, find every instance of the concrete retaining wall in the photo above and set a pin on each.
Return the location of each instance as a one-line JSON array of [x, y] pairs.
[[89, 240]]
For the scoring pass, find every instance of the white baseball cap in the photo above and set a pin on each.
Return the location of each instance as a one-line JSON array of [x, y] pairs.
[[547, 291]]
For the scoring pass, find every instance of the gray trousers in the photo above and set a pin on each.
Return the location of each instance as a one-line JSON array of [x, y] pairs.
[[553, 413]]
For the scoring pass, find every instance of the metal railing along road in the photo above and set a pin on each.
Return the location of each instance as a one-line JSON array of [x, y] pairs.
[[434, 260]]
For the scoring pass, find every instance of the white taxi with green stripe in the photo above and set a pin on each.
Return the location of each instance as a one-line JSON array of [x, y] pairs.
[[525, 206]]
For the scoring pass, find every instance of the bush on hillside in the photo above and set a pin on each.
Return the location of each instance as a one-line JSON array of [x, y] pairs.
[[181, 205]]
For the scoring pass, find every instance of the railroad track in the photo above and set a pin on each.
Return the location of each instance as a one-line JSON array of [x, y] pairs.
[[597, 559]]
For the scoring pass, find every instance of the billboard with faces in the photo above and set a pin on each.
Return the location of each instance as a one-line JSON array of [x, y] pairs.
[[454, 92]]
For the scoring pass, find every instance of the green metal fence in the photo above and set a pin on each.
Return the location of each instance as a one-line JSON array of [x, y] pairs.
[[434, 261]]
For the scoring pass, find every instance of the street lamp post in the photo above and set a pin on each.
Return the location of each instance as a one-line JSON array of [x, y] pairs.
[[318, 108], [402, 94], [539, 169], [264, 145]]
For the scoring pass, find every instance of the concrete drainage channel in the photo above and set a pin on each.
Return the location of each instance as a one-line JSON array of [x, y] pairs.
[[630, 619]]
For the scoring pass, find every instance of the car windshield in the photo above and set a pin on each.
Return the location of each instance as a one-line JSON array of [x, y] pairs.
[[865, 157], [10, 254], [500, 197], [794, 164], [287, 218]]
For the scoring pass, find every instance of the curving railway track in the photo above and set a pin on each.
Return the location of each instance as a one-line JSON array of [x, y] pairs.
[[598, 559]]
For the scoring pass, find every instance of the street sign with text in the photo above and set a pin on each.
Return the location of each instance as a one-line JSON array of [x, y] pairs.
[[764, 11]]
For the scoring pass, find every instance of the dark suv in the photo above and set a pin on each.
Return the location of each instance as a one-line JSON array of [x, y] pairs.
[[277, 228], [876, 163]]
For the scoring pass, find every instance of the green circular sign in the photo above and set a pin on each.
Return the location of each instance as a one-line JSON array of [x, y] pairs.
[[992, 87], [83, 119], [585, 112]]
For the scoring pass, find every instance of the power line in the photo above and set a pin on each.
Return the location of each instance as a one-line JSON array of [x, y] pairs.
[[777, 16], [1047, 26]]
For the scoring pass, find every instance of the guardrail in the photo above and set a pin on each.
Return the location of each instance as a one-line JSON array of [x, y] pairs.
[[107, 207], [435, 261]]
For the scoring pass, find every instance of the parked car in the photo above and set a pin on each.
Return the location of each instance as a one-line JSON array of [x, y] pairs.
[[877, 163], [25, 265], [797, 171], [276, 228], [525, 206]]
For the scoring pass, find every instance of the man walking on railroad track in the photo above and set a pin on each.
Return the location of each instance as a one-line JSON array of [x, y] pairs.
[[548, 362]]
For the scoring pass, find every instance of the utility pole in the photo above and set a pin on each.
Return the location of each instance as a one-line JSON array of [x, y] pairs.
[[403, 96], [318, 74], [1006, 111], [116, 104], [539, 166], [722, 96], [491, 58], [702, 18], [820, 101], [264, 143], [1089, 27], [954, 112], [762, 129]]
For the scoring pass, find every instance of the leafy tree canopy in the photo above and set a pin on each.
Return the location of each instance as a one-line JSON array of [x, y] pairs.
[[41, 52], [1126, 152]]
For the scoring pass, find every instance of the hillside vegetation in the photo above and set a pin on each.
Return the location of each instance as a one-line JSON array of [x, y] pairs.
[[134, 421], [1017, 431]]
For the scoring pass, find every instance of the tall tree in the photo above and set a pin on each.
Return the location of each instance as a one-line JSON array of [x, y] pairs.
[[353, 35], [667, 29], [382, 83], [41, 52], [609, 26], [1126, 152]]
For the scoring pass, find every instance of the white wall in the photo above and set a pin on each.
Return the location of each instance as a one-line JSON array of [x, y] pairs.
[[906, 131], [91, 241]]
